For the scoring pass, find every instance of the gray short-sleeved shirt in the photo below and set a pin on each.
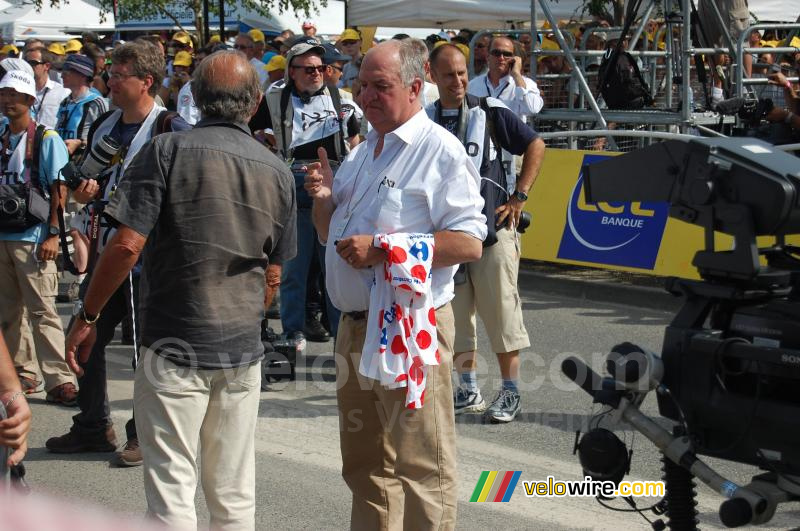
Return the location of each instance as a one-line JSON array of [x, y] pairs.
[[217, 208]]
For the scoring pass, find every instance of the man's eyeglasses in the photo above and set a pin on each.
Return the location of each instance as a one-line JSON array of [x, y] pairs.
[[241, 47], [502, 53], [348, 42], [118, 76], [339, 68], [311, 69], [34, 63]]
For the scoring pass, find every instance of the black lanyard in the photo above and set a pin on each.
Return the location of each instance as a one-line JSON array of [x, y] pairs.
[[489, 86], [461, 128], [41, 103]]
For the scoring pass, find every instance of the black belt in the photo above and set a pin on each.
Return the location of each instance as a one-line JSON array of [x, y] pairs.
[[356, 316]]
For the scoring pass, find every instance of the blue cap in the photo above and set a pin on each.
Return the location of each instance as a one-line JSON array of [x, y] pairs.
[[332, 55]]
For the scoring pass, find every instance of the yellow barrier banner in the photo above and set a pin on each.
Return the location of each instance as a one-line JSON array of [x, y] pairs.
[[637, 236]]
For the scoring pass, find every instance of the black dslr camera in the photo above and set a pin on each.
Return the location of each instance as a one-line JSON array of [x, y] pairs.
[[729, 370], [95, 161]]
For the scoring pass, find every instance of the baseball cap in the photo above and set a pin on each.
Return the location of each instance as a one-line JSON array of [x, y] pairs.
[[15, 63], [73, 45], [9, 49], [309, 24], [332, 55], [256, 34], [350, 35], [548, 44], [182, 37], [20, 81], [56, 48], [214, 39], [302, 48], [182, 59], [80, 64], [267, 56], [278, 62]]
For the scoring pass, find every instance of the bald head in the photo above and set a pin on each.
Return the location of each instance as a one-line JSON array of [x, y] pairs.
[[403, 55], [226, 86]]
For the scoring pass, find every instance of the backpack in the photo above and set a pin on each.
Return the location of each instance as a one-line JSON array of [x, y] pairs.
[[26, 205], [494, 185], [621, 83]]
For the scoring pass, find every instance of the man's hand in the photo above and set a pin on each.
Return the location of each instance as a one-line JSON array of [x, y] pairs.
[[510, 212], [80, 341], [778, 79], [14, 430], [319, 177], [73, 144], [516, 66], [359, 252], [86, 191], [48, 249]]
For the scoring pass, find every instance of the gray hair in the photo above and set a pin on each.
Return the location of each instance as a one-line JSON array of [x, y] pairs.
[[226, 87], [412, 62]]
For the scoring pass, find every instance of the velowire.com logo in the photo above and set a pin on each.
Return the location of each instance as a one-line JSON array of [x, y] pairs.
[[494, 486]]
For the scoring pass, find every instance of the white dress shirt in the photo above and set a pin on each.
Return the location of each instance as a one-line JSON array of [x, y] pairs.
[[48, 100], [185, 105], [524, 101], [422, 182], [262, 74]]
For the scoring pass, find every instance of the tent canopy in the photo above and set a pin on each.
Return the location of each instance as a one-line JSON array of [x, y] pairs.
[[475, 14], [20, 21]]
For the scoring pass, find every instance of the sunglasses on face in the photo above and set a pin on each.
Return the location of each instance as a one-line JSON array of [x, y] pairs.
[[501, 53], [348, 42], [241, 47], [34, 63], [311, 69], [339, 68]]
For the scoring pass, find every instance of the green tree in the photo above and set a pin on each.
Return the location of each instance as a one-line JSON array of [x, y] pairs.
[[135, 9], [612, 11]]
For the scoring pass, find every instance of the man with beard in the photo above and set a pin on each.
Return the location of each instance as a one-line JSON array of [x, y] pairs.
[[305, 115]]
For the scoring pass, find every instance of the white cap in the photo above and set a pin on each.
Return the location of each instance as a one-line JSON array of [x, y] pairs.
[[15, 63], [20, 81]]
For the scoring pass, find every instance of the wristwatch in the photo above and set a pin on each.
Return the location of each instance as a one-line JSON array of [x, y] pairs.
[[53, 231], [788, 119], [80, 312], [521, 196]]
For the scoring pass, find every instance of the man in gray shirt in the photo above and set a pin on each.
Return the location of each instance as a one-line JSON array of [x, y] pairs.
[[214, 213]]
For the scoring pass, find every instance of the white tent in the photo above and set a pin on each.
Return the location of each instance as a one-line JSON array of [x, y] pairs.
[[329, 19], [775, 10], [477, 14], [19, 20]]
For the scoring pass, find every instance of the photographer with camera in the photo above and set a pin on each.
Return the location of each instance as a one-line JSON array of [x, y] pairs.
[[30, 194], [486, 128], [115, 139]]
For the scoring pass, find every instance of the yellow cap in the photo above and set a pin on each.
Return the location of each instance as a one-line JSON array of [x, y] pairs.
[[795, 42], [214, 39], [73, 45], [9, 48], [182, 59], [256, 34], [278, 62], [548, 44], [349, 35], [182, 37], [464, 49], [56, 48]]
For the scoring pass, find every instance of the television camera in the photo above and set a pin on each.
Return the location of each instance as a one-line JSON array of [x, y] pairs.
[[729, 368]]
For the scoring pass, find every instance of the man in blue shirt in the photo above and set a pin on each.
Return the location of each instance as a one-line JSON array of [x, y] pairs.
[[28, 274], [82, 107]]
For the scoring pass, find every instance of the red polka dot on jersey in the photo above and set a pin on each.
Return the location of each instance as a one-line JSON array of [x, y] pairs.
[[424, 339], [416, 372], [405, 287], [398, 312], [401, 378], [380, 319], [397, 255], [419, 273], [432, 316], [407, 328], [398, 347], [438, 356]]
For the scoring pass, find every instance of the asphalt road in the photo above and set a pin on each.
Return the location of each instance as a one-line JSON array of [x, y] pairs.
[[297, 449]]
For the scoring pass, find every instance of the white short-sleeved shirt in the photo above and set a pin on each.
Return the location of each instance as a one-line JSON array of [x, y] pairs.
[[523, 101], [422, 182]]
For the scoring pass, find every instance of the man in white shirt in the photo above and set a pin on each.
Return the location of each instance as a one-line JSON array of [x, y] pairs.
[[505, 82], [245, 44], [410, 176], [49, 94]]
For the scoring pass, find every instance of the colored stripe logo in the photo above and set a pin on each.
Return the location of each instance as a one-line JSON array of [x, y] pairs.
[[494, 486]]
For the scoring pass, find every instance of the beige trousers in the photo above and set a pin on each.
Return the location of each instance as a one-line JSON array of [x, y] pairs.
[[400, 464], [178, 407], [30, 322]]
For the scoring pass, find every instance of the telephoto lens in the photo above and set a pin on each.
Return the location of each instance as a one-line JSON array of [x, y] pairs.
[[99, 157]]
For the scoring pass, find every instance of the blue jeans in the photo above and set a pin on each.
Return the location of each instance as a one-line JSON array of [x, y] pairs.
[[294, 277]]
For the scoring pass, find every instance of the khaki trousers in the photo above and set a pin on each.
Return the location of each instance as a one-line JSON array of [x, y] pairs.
[[178, 407], [400, 464], [30, 322]]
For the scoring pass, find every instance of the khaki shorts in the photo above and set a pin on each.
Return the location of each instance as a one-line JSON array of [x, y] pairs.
[[491, 291]]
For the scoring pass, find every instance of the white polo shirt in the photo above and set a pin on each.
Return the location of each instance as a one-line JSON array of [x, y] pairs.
[[422, 182], [524, 101]]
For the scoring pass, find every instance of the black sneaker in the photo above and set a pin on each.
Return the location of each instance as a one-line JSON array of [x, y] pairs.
[[466, 401], [314, 331], [505, 407]]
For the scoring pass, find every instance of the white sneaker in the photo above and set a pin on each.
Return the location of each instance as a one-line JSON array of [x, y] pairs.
[[466, 401]]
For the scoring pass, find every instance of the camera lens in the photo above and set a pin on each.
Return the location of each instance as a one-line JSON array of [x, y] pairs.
[[99, 157], [10, 206], [524, 222]]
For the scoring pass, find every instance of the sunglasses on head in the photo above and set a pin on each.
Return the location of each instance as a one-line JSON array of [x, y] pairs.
[[311, 69], [502, 53]]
